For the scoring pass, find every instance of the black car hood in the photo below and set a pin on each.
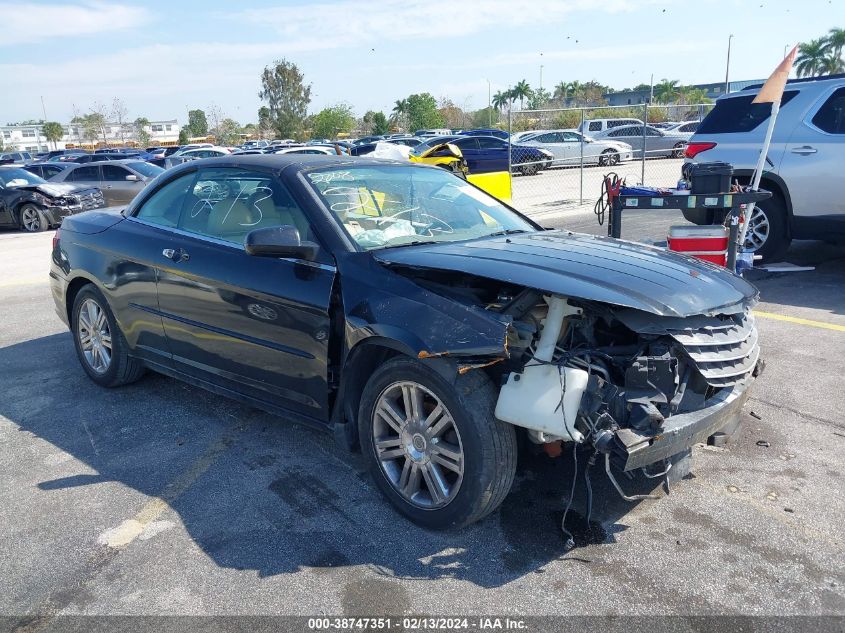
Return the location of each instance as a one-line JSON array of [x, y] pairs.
[[588, 267], [56, 189]]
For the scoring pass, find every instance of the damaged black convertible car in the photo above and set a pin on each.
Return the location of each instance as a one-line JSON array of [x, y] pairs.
[[411, 314]]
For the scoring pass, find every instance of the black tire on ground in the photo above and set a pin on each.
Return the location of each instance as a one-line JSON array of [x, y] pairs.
[[123, 369], [33, 219], [678, 150], [777, 241], [489, 445], [608, 157], [528, 170]]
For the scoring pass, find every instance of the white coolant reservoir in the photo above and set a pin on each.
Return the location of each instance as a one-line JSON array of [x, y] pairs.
[[532, 399]]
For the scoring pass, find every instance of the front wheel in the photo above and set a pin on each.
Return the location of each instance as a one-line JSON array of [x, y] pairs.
[[33, 219], [529, 170], [678, 150], [766, 234], [435, 448], [608, 158]]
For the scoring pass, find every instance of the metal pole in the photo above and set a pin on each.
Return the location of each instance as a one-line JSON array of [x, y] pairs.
[[510, 135], [581, 169], [728, 66], [645, 123], [541, 77], [758, 171]]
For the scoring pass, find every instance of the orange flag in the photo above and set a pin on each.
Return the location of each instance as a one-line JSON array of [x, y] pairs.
[[772, 90]]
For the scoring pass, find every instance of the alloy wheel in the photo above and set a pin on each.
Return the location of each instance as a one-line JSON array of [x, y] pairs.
[[417, 445], [30, 218], [94, 336], [758, 230]]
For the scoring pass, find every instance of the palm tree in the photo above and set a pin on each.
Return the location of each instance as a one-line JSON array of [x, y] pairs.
[[500, 99], [831, 65], [835, 41], [53, 132], [400, 109], [521, 91], [666, 91], [576, 91], [810, 58]]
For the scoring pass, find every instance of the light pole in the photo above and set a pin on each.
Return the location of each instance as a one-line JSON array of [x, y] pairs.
[[541, 77], [728, 66]]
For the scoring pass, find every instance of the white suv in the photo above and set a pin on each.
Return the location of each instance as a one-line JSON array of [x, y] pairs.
[[803, 166]]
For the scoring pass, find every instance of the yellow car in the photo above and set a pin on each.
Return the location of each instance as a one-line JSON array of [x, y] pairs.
[[490, 175]]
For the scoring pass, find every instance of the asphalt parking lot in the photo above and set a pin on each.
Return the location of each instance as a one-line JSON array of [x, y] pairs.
[[160, 498]]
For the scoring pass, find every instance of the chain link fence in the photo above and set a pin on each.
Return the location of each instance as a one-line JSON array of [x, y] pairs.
[[559, 157]]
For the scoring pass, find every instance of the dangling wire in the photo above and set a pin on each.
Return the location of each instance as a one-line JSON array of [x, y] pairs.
[[609, 190], [570, 540]]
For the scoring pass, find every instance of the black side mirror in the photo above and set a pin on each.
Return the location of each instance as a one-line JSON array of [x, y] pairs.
[[279, 241]]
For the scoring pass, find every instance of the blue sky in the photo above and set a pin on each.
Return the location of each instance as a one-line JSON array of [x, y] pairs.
[[162, 58]]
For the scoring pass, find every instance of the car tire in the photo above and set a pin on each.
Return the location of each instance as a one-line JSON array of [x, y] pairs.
[[678, 150], [100, 345], [529, 170], [609, 158], [767, 229], [410, 462], [33, 219]]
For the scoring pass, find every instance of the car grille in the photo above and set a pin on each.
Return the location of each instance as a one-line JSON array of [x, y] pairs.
[[92, 200], [725, 351]]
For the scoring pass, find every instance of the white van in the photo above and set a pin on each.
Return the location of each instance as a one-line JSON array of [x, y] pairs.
[[592, 126]]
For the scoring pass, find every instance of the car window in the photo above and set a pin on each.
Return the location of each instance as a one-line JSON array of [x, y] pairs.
[[595, 126], [469, 142], [146, 169], [227, 203], [491, 143], [395, 205], [542, 138], [739, 114], [113, 173], [165, 205], [651, 132], [87, 174], [622, 131], [831, 116], [569, 137]]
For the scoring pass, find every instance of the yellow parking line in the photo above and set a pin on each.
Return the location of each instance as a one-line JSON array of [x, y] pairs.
[[799, 321]]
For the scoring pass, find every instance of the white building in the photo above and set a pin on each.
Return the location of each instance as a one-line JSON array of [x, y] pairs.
[[30, 138]]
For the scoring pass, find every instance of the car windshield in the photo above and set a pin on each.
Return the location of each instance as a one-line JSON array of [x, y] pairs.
[[145, 169], [397, 205], [17, 177]]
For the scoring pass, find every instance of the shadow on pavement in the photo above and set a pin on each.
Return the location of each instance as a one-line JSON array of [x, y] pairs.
[[279, 498]]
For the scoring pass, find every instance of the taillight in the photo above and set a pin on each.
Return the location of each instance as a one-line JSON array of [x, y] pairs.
[[56, 238], [694, 149]]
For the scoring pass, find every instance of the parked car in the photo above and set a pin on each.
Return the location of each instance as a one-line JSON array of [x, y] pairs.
[[31, 203], [688, 127], [15, 157], [58, 153], [518, 137], [120, 181], [656, 142], [46, 170], [308, 149], [595, 126], [803, 164], [368, 139], [400, 308], [485, 154], [70, 156], [95, 157], [368, 148], [210, 151], [566, 146], [485, 132], [191, 146]]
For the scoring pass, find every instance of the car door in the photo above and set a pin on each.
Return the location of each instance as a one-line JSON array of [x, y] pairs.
[[255, 325], [469, 150], [116, 188], [632, 135], [493, 154], [813, 159], [571, 143], [87, 176], [7, 218], [550, 141]]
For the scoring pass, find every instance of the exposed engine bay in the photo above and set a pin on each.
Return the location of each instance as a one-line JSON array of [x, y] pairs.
[[635, 385]]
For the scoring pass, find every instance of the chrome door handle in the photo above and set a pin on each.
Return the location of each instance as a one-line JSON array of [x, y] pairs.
[[806, 149], [169, 253], [177, 256]]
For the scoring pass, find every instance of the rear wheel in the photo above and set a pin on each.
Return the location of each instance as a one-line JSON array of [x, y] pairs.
[[435, 449], [100, 345], [678, 150], [528, 170], [33, 219], [766, 234]]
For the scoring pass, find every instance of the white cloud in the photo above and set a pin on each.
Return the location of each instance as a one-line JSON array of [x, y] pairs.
[[27, 22]]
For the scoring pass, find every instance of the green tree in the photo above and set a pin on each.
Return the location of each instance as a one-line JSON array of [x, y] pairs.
[[422, 112], [53, 132], [287, 96], [832, 65], [227, 132], [538, 99], [666, 91], [398, 115], [485, 117], [501, 99], [835, 42], [197, 123], [265, 123], [328, 122], [379, 124], [184, 136], [140, 124], [811, 56], [521, 91]]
